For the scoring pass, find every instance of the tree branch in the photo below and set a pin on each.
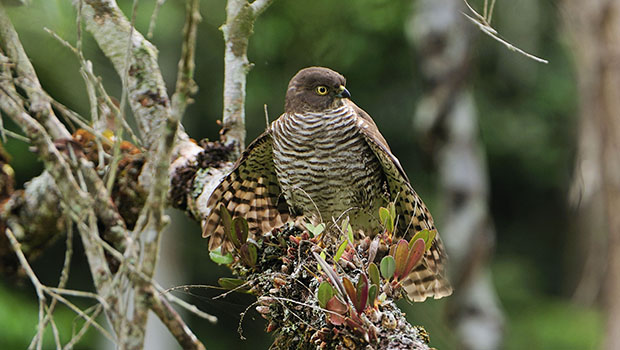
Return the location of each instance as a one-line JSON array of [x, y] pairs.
[[145, 85], [39, 102], [239, 26]]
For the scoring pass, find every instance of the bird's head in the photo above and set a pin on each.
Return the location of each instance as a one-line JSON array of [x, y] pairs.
[[315, 89]]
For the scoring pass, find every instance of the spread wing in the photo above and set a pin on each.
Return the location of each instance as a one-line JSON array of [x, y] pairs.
[[251, 191], [428, 278]]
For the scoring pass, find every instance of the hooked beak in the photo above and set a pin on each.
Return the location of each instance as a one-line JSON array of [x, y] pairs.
[[343, 92]]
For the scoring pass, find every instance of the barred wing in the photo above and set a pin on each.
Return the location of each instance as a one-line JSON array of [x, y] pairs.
[[428, 278], [251, 191]]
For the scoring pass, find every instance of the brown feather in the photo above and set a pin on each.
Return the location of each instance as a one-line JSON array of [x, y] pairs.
[[250, 191], [429, 278]]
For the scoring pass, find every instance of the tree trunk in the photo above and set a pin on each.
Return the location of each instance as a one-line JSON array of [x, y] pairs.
[[595, 30], [447, 118]]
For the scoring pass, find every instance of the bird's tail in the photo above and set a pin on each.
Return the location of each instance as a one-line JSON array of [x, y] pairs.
[[428, 278]]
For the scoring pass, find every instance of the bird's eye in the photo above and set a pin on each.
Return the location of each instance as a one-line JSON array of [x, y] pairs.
[[321, 90]]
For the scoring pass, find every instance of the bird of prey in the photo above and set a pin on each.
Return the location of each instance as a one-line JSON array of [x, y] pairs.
[[324, 158]]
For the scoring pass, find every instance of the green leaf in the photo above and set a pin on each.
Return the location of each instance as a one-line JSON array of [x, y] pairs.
[[388, 216], [388, 266], [340, 250], [372, 294], [426, 235], [373, 273], [233, 283], [240, 225], [227, 223], [323, 256], [344, 225], [431, 237], [325, 293], [384, 216], [392, 209], [217, 257], [400, 256], [315, 230]]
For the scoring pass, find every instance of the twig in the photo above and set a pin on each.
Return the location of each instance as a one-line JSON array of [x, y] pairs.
[[40, 105], [186, 86], [174, 322], [38, 287], [483, 22], [15, 135], [492, 33], [158, 5], [144, 84], [83, 330]]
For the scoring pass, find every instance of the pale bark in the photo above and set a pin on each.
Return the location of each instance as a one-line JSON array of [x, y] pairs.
[[447, 118], [123, 258], [240, 18], [595, 29]]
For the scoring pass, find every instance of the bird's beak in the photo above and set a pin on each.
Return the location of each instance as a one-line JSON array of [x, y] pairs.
[[343, 92]]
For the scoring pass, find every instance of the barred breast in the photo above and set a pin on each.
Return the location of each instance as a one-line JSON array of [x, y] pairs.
[[326, 168]]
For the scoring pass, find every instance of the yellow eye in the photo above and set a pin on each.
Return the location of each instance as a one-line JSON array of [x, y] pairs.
[[321, 90]]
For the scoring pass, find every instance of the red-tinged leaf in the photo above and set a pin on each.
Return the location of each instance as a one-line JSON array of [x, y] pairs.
[[400, 257], [337, 309], [356, 327], [426, 235], [240, 225], [227, 223], [393, 249], [362, 293], [420, 234], [272, 326], [248, 254], [415, 256], [336, 305], [348, 286]]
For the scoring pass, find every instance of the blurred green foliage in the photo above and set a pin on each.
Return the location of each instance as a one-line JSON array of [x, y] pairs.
[[527, 123]]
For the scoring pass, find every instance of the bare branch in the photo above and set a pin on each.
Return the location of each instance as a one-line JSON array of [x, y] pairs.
[[173, 322], [240, 18], [260, 5], [145, 85], [186, 86], [484, 23], [39, 103]]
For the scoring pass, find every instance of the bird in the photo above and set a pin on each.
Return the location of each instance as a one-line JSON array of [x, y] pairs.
[[322, 159]]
